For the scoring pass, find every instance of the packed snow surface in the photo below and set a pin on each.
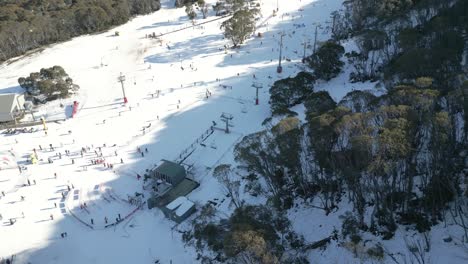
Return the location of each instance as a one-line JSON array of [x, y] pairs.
[[178, 86]]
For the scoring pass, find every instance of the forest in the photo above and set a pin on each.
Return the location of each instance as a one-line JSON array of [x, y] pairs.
[[30, 24], [399, 159]]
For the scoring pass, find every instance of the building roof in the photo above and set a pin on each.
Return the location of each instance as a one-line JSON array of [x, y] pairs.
[[181, 189], [180, 205], [171, 169], [6, 102]]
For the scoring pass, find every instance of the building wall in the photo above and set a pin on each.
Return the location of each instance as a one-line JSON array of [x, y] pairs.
[[18, 105], [19, 102], [6, 117]]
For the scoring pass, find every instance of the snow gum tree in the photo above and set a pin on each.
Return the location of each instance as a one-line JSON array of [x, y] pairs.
[[231, 185], [239, 26]]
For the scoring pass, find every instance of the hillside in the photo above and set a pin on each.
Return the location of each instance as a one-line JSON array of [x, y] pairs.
[[27, 25], [354, 153]]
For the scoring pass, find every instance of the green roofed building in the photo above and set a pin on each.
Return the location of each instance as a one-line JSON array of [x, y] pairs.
[[170, 172], [169, 181]]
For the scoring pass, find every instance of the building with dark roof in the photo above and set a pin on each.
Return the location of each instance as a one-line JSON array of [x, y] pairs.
[[170, 172], [168, 182]]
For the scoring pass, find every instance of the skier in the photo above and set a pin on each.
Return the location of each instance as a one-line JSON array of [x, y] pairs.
[[92, 221], [51, 217], [146, 150], [121, 160]]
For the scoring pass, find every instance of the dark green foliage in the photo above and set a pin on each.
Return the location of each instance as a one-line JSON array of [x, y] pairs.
[[181, 3], [415, 218], [290, 91], [376, 252], [439, 58], [251, 232], [52, 82], [240, 26], [25, 25], [326, 61], [318, 103]]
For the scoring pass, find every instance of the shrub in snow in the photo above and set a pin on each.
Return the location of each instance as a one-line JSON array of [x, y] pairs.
[[288, 92], [326, 61], [52, 82]]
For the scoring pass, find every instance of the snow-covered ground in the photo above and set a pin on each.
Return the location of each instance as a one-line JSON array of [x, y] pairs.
[[184, 66]]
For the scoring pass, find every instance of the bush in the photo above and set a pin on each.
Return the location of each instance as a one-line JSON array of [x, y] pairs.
[[52, 82], [326, 61], [288, 92], [376, 252], [419, 219]]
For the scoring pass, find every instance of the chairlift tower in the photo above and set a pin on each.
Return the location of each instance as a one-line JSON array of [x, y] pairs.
[[280, 68], [257, 86], [306, 46], [121, 79], [226, 118]]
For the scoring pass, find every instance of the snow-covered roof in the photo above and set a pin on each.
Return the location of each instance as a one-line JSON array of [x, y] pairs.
[[181, 205], [174, 204], [184, 207]]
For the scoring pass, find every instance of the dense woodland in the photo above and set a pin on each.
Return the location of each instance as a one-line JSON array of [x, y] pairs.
[[29, 24], [399, 159]]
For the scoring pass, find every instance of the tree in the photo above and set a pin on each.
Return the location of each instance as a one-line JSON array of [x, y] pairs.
[[203, 7], [225, 176], [326, 61], [290, 91], [235, 5], [239, 26], [190, 12], [52, 82], [219, 7]]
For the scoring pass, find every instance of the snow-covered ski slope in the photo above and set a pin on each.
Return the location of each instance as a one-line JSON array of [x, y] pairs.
[[184, 65]]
